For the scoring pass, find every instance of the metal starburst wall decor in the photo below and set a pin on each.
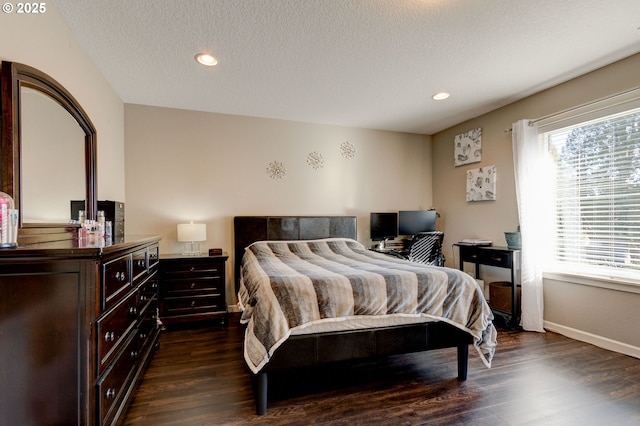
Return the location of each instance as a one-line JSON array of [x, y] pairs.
[[348, 150], [276, 170], [315, 160]]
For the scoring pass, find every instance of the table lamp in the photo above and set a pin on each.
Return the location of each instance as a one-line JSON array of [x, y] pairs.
[[191, 234]]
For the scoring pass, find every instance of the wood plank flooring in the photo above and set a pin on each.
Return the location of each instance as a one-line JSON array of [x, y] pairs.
[[198, 377]]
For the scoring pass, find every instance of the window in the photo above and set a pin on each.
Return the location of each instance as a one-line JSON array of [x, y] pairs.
[[596, 171]]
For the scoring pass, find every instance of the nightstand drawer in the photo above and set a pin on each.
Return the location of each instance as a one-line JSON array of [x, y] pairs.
[[193, 267], [176, 287], [195, 304]]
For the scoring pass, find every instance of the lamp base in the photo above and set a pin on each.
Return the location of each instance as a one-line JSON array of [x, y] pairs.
[[192, 249]]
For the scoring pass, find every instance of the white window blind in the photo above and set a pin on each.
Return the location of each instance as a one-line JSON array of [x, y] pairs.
[[597, 193]]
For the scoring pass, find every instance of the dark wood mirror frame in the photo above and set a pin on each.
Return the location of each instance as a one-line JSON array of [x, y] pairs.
[[13, 76]]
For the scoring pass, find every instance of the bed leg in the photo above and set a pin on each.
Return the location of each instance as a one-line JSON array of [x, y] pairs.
[[261, 393], [463, 358]]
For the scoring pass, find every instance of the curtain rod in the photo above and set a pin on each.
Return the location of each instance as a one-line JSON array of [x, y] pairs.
[[587, 104], [575, 108]]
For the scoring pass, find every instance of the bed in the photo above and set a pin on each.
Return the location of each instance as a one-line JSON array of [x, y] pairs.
[[310, 294]]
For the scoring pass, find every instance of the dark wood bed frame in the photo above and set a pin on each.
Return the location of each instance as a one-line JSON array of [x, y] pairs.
[[309, 350]]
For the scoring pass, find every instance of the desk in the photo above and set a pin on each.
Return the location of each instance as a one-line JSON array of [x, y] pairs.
[[501, 257], [402, 254]]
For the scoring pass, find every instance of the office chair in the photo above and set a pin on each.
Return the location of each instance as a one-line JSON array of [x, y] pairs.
[[426, 247]]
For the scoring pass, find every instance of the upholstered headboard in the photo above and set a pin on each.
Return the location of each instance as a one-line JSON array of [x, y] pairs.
[[249, 229]]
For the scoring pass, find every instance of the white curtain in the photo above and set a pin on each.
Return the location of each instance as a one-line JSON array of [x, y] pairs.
[[534, 199]]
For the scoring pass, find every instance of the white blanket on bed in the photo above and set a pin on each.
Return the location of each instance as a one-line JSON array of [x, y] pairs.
[[287, 285]]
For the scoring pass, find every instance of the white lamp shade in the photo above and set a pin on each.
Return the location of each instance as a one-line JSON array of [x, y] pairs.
[[188, 232]]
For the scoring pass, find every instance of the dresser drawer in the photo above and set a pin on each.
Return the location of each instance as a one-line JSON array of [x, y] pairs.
[[148, 327], [113, 384], [116, 280], [139, 265], [112, 329], [194, 305], [147, 292], [154, 256]]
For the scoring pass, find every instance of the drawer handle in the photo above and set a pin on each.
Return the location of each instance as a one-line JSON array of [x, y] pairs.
[[143, 298], [143, 336], [120, 276], [154, 285], [133, 310], [111, 393], [141, 263], [193, 303], [497, 259], [109, 336], [193, 285], [192, 269], [134, 354]]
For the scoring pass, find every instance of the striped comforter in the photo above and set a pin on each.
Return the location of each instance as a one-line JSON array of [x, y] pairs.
[[291, 284]]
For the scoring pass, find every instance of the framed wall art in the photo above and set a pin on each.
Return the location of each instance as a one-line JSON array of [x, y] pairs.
[[481, 184], [467, 147]]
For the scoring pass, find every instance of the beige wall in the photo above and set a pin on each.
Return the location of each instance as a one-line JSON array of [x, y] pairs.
[[183, 165], [187, 165], [44, 41], [569, 305]]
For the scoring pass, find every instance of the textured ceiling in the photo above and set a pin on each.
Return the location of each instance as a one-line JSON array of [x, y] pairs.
[[365, 63]]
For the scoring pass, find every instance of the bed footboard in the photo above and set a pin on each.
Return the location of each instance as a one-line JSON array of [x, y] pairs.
[[317, 349]]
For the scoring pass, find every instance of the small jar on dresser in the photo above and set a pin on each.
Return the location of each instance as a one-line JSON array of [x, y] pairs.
[[192, 288]]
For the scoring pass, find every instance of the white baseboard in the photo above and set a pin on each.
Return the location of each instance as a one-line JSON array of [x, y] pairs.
[[593, 339]]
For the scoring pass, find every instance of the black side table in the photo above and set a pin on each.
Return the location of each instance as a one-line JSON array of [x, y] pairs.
[[502, 257]]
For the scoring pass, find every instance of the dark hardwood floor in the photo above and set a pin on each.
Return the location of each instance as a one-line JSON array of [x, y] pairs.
[[198, 377]]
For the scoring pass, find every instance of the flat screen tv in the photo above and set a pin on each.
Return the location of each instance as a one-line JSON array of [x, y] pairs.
[[411, 222], [383, 226]]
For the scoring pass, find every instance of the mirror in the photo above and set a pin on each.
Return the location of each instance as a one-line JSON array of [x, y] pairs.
[[49, 137], [47, 148]]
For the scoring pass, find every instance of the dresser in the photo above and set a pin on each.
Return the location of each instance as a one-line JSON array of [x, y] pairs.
[[192, 288], [78, 326]]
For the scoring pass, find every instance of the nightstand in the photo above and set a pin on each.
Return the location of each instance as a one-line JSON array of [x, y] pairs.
[[192, 288]]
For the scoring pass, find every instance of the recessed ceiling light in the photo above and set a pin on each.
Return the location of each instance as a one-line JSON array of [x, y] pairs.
[[440, 96], [206, 59]]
